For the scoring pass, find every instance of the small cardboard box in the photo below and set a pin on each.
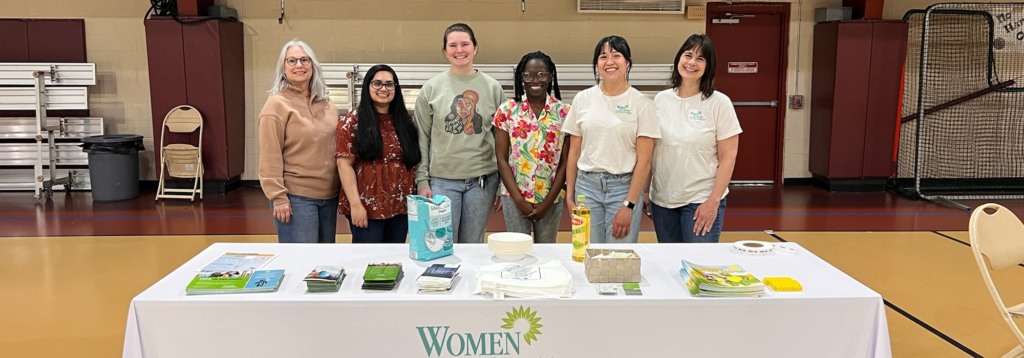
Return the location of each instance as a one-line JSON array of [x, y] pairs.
[[612, 270], [823, 14]]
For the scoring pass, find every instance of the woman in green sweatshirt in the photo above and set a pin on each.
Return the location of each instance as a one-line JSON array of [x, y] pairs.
[[456, 143]]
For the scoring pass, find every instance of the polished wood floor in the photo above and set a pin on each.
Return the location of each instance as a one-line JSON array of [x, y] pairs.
[[246, 211], [69, 269]]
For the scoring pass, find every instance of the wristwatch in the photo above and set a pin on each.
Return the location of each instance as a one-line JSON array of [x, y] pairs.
[[628, 204]]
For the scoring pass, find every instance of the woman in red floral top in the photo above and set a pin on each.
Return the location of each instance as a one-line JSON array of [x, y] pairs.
[[378, 150]]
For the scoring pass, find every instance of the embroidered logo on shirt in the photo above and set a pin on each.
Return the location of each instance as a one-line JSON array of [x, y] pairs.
[[623, 109], [696, 115]]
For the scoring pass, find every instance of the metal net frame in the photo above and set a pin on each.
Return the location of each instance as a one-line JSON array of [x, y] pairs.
[[962, 118]]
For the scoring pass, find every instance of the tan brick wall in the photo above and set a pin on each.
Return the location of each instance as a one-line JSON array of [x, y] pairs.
[[393, 31], [895, 9], [118, 47]]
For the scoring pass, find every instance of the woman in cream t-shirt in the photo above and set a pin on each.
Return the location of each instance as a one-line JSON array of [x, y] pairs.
[[694, 160], [613, 128]]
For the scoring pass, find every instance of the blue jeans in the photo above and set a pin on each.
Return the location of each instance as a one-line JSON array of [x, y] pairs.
[[604, 195], [676, 225], [312, 221], [544, 231], [472, 200], [377, 231]]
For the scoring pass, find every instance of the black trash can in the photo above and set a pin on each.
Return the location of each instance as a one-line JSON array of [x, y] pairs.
[[113, 165]]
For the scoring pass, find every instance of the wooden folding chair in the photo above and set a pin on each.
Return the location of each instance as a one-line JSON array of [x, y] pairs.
[[181, 160], [999, 237]]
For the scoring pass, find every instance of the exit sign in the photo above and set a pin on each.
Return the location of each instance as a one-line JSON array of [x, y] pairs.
[[742, 67]]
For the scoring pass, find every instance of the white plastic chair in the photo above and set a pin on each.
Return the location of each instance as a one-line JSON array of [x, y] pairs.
[[181, 160], [999, 237]]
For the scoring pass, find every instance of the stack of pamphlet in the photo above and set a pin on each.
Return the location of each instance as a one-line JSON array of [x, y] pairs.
[[720, 281], [325, 279], [438, 278], [382, 276], [236, 273]]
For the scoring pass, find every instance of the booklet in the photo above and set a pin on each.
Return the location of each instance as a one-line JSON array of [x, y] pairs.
[[720, 281], [382, 276], [246, 282], [437, 278], [442, 272], [235, 261], [325, 279], [329, 274]]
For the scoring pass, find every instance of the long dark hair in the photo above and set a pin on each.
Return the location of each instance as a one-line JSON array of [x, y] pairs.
[[707, 50], [518, 76], [618, 44], [369, 145]]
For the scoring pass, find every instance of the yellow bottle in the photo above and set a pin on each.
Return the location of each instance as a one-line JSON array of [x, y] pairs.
[[580, 229]]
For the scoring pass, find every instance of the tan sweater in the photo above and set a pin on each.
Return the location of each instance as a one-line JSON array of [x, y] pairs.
[[297, 144]]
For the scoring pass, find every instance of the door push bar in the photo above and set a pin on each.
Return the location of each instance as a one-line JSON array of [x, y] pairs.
[[773, 104]]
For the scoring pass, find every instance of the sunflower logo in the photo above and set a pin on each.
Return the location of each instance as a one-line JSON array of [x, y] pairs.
[[524, 314]]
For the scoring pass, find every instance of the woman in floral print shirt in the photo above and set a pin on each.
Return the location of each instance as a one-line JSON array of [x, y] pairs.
[[530, 148]]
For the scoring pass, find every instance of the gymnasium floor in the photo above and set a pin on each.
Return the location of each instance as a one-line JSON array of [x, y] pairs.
[[68, 269]]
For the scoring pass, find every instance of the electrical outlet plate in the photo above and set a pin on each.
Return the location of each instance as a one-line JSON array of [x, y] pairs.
[[796, 101]]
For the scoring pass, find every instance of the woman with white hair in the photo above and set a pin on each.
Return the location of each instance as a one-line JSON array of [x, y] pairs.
[[297, 169]]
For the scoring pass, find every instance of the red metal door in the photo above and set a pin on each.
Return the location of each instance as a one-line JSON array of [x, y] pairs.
[[751, 41]]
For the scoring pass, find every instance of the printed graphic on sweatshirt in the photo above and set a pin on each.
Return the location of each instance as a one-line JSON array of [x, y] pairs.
[[464, 117]]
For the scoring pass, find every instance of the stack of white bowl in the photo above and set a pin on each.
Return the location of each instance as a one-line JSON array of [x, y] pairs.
[[510, 246]]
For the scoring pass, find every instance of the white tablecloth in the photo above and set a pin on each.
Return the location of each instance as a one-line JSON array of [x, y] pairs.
[[835, 316]]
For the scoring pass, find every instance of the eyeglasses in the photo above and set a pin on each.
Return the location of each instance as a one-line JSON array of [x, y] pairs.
[[291, 61], [378, 85], [542, 76]]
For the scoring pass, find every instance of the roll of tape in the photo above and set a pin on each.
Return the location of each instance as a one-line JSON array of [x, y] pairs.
[[753, 248]]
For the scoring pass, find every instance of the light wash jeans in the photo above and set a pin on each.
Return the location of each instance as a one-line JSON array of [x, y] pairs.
[[544, 231], [604, 195], [472, 200], [312, 221]]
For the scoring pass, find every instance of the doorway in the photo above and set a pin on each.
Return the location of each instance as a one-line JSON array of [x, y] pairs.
[[752, 44]]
